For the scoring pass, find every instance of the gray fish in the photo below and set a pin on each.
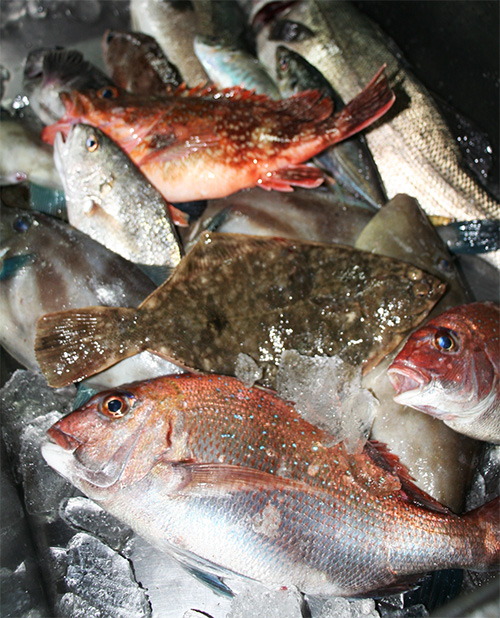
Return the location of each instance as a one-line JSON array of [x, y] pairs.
[[414, 150], [173, 25], [110, 199], [137, 63], [48, 72], [258, 296], [350, 163], [229, 66]]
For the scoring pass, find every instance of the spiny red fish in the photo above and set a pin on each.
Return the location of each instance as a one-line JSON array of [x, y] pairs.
[[202, 466], [450, 369], [208, 144]]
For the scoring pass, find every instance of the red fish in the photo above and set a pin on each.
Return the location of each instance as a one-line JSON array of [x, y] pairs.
[[202, 466], [208, 144], [450, 369]]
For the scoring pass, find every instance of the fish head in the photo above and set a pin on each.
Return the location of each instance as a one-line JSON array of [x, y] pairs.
[[446, 368], [116, 437]]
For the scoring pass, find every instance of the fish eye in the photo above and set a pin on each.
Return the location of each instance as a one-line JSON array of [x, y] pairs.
[[21, 224], [92, 143], [445, 340], [110, 37], [107, 93], [116, 405]]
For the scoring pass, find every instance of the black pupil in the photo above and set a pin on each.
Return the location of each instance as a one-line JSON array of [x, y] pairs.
[[114, 405], [445, 342], [110, 36], [107, 93], [91, 143], [21, 224]]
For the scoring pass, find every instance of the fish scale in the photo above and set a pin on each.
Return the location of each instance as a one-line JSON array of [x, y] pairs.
[[313, 515]]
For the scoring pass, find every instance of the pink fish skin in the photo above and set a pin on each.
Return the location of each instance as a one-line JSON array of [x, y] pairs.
[[450, 369], [201, 466], [207, 144]]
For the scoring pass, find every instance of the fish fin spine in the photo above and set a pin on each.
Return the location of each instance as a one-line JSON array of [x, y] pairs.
[[74, 344]]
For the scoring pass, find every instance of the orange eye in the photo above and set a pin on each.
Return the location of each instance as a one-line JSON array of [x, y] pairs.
[[108, 92], [92, 143], [116, 405], [445, 340]]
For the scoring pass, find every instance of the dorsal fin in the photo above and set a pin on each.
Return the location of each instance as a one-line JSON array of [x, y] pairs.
[[380, 454]]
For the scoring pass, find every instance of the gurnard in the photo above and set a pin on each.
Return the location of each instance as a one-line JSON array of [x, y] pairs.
[[450, 369], [253, 295], [235, 482], [208, 143]]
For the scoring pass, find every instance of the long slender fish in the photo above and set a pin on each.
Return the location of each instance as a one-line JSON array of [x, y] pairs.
[[108, 198], [205, 145], [414, 150], [235, 481], [450, 369], [258, 296]]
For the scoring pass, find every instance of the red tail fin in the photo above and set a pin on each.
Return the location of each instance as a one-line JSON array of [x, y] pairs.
[[370, 104]]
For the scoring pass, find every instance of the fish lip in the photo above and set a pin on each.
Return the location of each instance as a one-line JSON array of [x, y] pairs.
[[62, 439], [405, 379]]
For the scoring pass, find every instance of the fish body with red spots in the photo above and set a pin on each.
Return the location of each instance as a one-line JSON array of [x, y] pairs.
[[208, 144], [450, 369], [234, 479]]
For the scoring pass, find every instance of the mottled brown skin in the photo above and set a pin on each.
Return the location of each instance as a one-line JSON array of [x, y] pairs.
[[236, 294], [209, 144], [278, 502]]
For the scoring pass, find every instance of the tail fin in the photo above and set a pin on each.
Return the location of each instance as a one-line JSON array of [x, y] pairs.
[[72, 345], [370, 104], [485, 523]]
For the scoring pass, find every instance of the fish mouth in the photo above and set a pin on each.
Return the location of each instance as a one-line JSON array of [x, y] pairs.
[[62, 439], [405, 380]]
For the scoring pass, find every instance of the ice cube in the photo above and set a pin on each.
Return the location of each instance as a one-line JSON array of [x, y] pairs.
[[247, 370], [339, 607], [103, 580], [86, 515], [327, 392], [286, 601]]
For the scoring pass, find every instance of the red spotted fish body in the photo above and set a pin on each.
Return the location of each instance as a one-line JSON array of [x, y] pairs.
[[235, 479], [450, 369], [209, 144]]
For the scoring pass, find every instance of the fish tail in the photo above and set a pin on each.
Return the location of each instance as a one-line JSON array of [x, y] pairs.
[[485, 525], [367, 107], [72, 345]]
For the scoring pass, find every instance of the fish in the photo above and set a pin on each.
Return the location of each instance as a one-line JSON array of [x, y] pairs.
[[350, 162], [229, 66], [136, 63], [197, 147], [173, 25], [253, 295], [47, 265], [108, 198], [49, 71], [413, 149], [235, 480], [450, 369]]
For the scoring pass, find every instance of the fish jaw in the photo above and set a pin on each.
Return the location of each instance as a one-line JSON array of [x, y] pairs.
[[60, 459]]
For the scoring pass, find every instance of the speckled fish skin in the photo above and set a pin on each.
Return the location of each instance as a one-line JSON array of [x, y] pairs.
[[66, 269], [450, 369], [414, 150], [255, 295], [208, 145], [136, 63], [203, 467], [108, 198]]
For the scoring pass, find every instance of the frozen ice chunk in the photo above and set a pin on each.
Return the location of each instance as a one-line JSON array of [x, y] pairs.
[[287, 602], [85, 514], [103, 580], [247, 370], [327, 392], [16, 588], [485, 483], [339, 607]]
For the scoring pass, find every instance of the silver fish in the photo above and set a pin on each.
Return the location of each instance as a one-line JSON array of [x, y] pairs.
[[413, 149], [108, 198]]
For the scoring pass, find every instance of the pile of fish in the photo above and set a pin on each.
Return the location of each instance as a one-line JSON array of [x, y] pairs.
[[254, 287]]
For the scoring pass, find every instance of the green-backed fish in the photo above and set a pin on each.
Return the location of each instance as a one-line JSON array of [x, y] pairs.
[[257, 296]]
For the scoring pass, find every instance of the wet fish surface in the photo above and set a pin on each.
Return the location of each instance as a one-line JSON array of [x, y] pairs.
[[234, 480], [108, 198], [450, 369], [202, 146], [414, 150], [136, 63], [253, 295]]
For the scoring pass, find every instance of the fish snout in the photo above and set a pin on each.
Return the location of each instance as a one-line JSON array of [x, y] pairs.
[[404, 378], [62, 439]]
